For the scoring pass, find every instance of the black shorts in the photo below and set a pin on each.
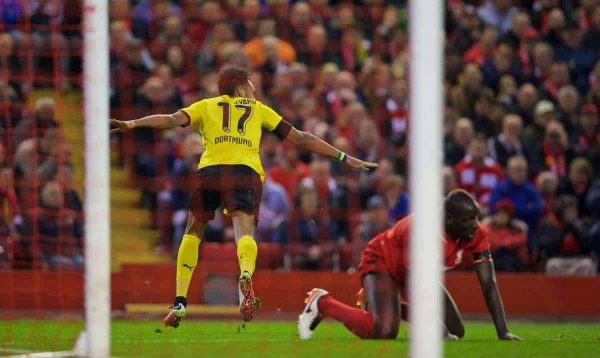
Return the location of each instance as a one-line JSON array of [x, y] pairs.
[[234, 187]]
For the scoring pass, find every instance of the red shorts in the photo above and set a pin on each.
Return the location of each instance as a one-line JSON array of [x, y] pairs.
[[383, 255], [231, 187]]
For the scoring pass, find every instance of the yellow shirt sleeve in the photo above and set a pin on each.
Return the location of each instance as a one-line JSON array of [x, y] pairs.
[[270, 118], [195, 111]]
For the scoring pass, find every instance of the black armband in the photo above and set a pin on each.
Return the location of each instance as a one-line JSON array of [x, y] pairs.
[[283, 129], [485, 256], [188, 117]]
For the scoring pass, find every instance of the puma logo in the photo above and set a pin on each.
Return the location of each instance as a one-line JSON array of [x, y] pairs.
[[188, 266]]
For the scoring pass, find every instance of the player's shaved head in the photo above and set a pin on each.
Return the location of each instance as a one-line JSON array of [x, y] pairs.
[[232, 77], [461, 212]]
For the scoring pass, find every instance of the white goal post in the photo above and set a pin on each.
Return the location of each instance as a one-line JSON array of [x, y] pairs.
[[96, 340], [426, 35]]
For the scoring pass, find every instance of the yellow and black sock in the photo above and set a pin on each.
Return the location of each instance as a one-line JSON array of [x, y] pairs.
[[246, 252], [187, 259]]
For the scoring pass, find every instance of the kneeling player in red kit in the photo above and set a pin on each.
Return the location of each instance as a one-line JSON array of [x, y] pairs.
[[384, 272]]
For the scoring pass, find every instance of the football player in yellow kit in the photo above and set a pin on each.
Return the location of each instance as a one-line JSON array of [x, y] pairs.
[[229, 174]]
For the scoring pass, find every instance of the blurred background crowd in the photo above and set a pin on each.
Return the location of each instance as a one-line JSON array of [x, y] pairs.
[[522, 96]]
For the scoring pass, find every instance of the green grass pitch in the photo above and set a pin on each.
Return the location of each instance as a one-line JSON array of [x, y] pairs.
[[265, 339]]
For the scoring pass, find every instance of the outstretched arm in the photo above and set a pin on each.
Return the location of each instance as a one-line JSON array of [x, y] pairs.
[[487, 280], [316, 145], [160, 121]]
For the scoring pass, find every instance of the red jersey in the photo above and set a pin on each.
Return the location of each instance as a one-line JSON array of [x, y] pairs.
[[478, 181], [389, 251]]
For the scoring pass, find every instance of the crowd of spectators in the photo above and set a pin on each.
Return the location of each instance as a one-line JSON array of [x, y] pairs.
[[522, 89], [41, 221], [522, 95]]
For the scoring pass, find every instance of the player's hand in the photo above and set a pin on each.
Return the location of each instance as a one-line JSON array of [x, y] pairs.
[[360, 164], [122, 126], [509, 337]]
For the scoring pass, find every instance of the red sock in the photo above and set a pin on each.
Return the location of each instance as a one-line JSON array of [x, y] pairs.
[[357, 321]]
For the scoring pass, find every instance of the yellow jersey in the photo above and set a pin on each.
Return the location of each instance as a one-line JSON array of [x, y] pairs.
[[231, 128]]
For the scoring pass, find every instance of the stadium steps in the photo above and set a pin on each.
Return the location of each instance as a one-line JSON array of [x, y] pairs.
[[131, 240]]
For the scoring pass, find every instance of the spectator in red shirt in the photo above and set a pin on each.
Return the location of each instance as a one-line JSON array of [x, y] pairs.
[[289, 171], [483, 49], [508, 238], [396, 106], [477, 173]]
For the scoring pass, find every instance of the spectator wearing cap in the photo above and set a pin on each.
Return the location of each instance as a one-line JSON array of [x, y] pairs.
[[580, 58], [498, 13], [544, 113], [564, 242], [578, 182], [508, 238], [524, 196], [477, 173], [586, 134]]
